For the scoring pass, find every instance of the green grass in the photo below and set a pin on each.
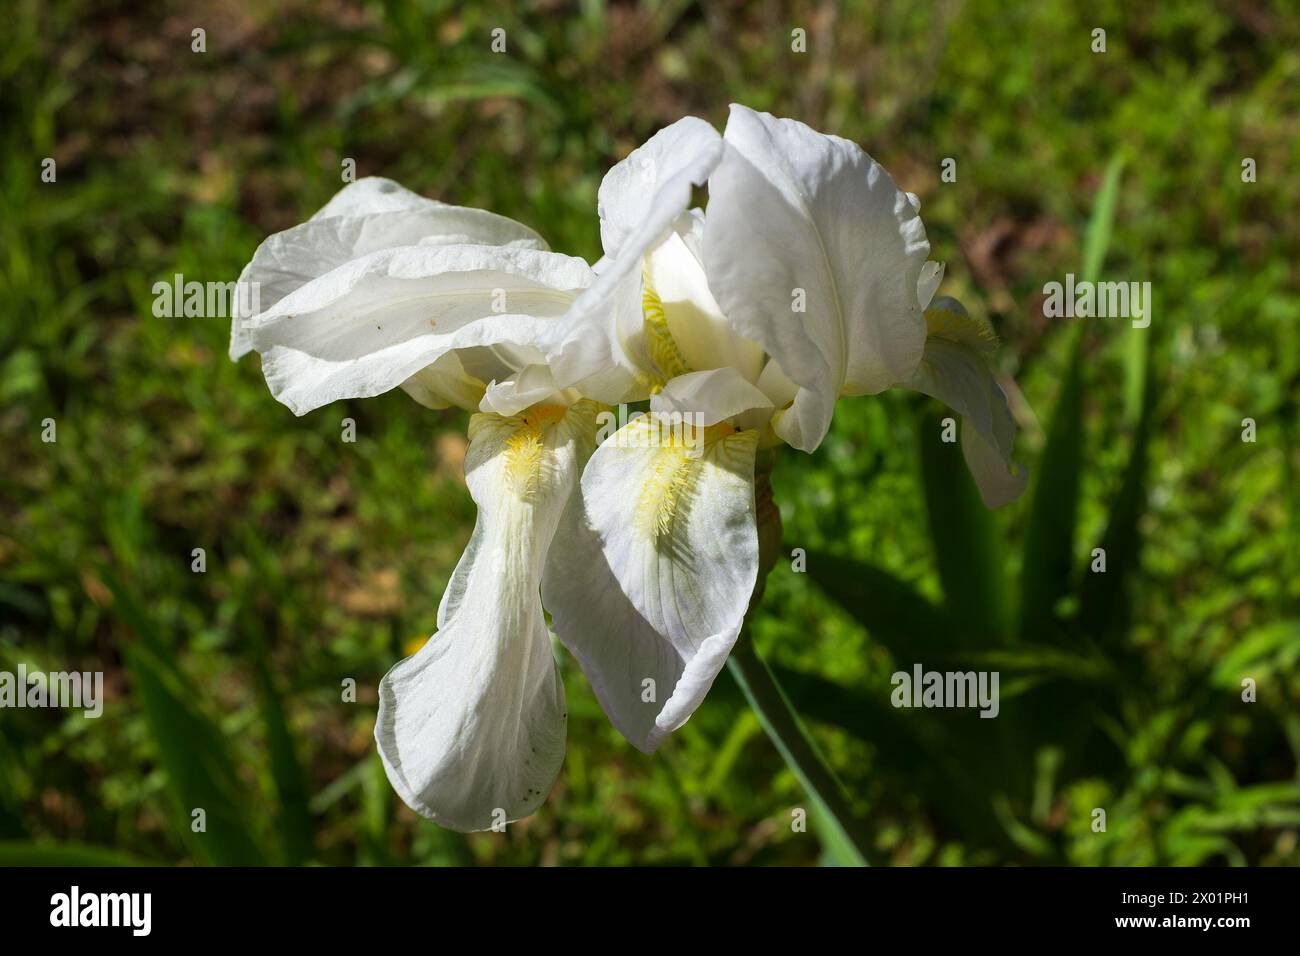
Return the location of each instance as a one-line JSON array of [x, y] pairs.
[[325, 558]]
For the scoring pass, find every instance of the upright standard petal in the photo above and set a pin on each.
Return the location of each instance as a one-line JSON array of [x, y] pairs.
[[814, 252], [363, 217], [668, 558], [679, 308], [642, 194], [372, 194], [471, 728], [639, 201], [956, 369], [377, 321]]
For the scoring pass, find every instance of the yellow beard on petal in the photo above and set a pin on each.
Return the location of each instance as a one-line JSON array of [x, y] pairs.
[[661, 495], [523, 460], [525, 448], [676, 466]]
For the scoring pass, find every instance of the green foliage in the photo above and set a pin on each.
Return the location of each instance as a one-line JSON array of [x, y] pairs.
[[1049, 540], [967, 550], [1053, 712], [192, 749], [325, 559], [62, 855]]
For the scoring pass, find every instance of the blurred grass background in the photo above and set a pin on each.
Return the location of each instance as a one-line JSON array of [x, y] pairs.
[[326, 560]]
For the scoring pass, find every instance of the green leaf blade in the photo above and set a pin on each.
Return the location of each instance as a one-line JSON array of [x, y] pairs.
[[967, 546]]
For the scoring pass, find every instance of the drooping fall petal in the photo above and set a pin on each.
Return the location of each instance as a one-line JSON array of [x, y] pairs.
[[471, 728], [665, 560]]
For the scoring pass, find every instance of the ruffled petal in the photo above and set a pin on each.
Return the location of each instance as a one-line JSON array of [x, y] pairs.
[[651, 671], [653, 184], [364, 217], [533, 384], [633, 669], [640, 200], [707, 398], [375, 322], [471, 728], [812, 251]]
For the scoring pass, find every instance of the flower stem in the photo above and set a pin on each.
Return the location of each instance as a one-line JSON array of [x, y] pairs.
[[844, 837]]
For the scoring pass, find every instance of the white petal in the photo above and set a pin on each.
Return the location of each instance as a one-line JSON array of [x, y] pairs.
[[676, 522], [459, 580], [1000, 482], [444, 384], [928, 283], [791, 209], [654, 182], [471, 728], [714, 396], [776, 385], [372, 194], [640, 199], [698, 327], [646, 685], [532, 385], [598, 346], [364, 217], [956, 370], [371, 324]]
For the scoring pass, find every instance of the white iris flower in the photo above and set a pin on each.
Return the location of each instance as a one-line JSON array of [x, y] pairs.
[[805, 280]]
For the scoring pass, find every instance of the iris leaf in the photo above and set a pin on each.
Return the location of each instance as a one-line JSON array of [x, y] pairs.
[[1049, 543], [844, 837], [967, 547]]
